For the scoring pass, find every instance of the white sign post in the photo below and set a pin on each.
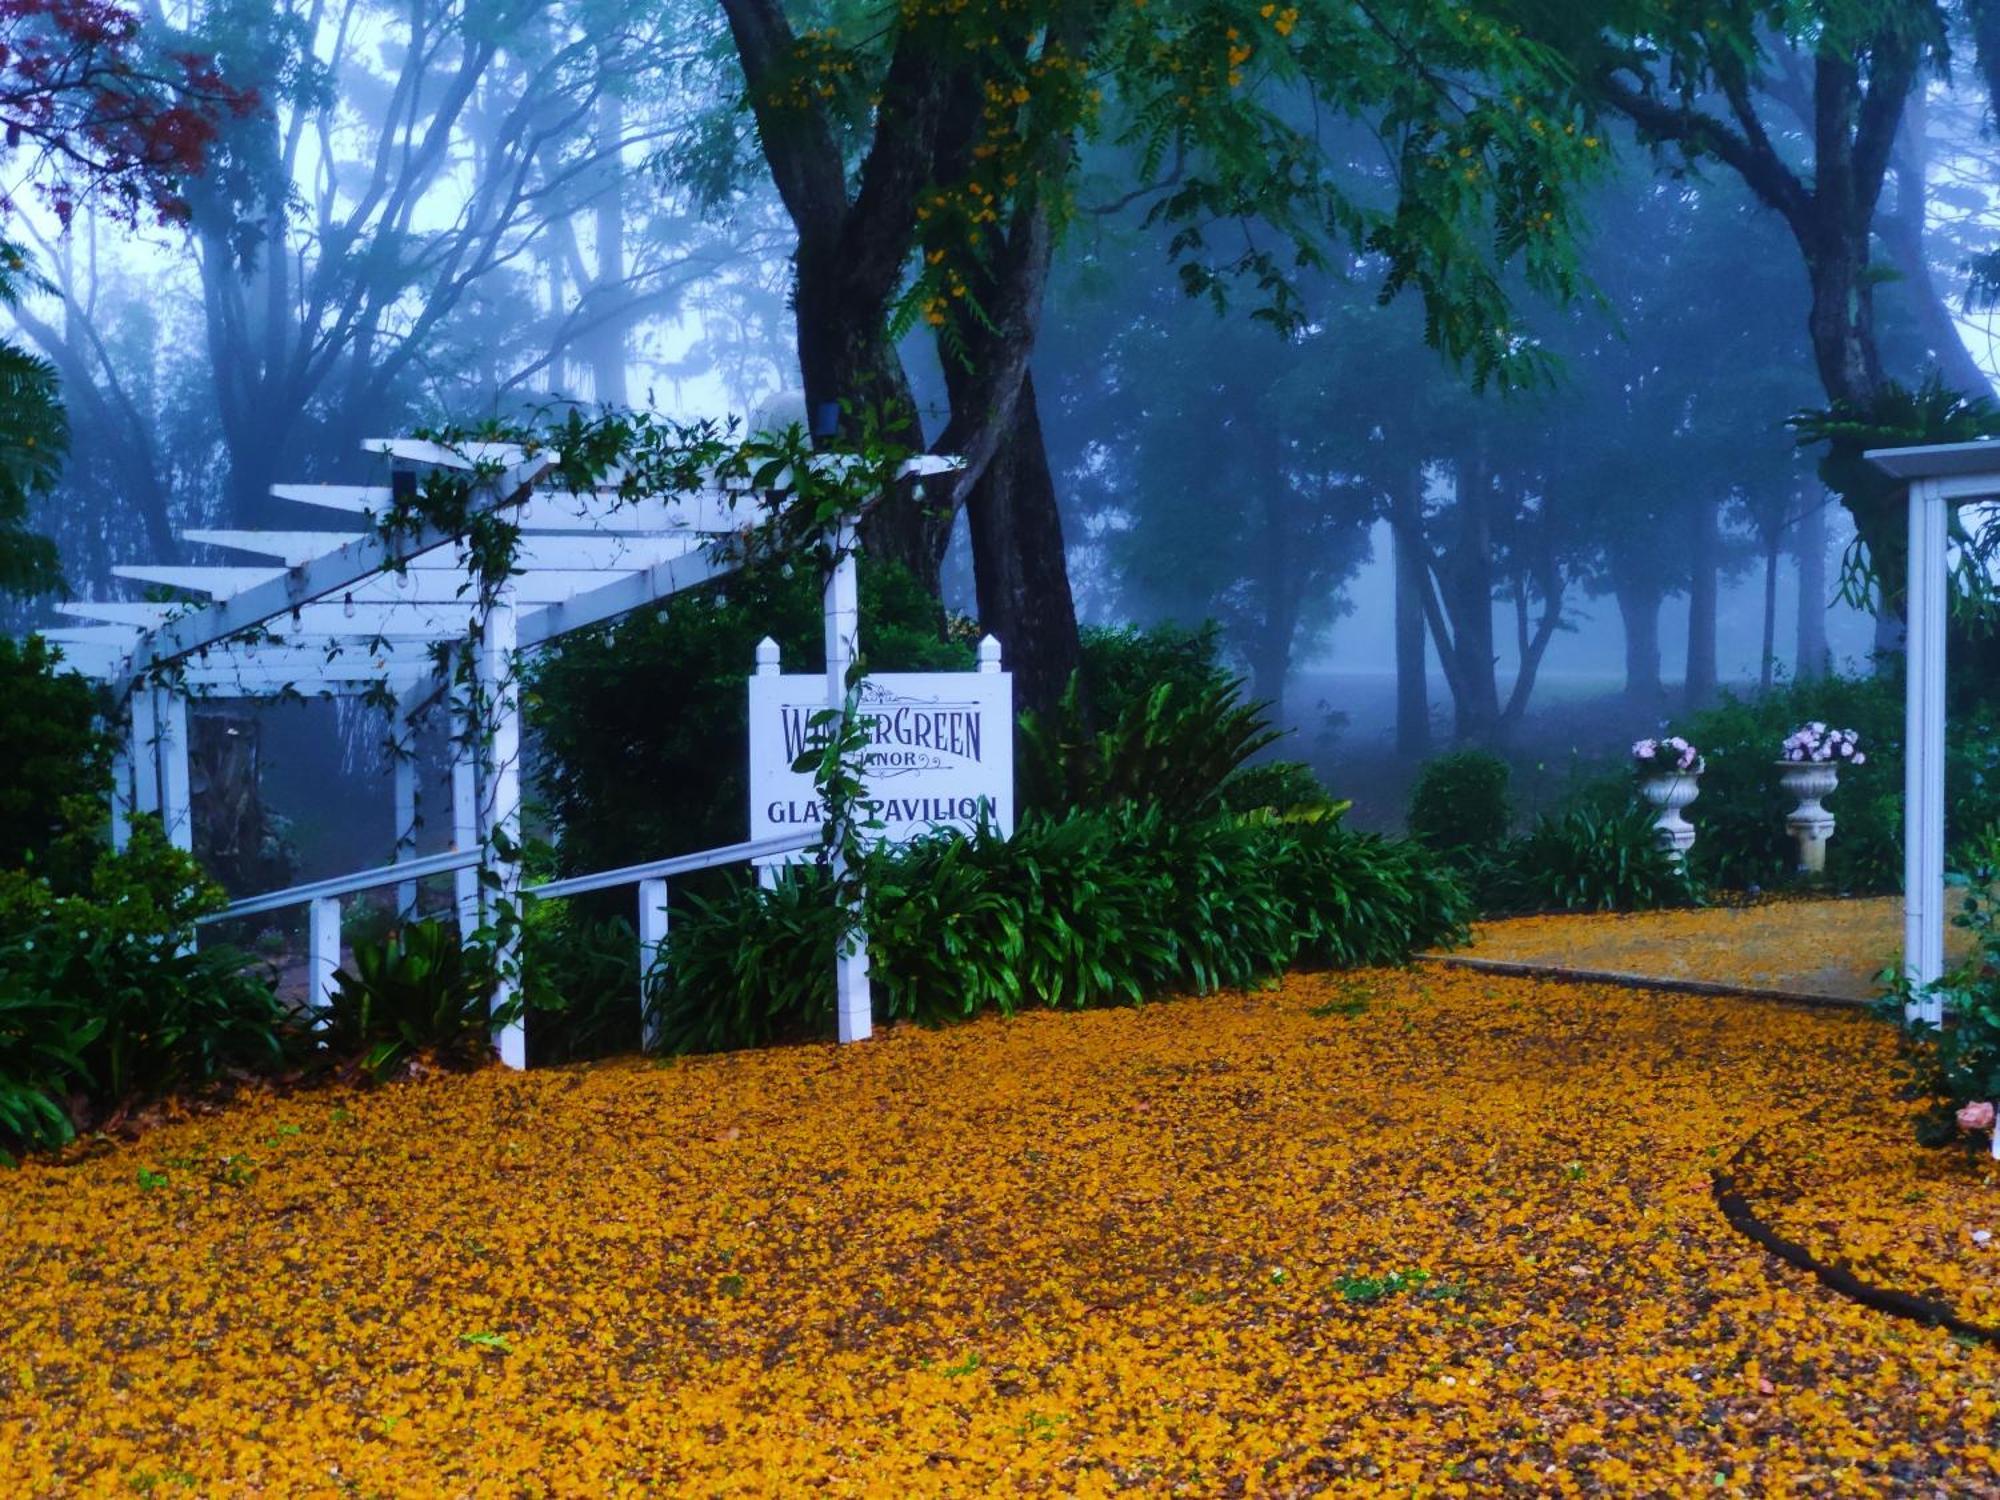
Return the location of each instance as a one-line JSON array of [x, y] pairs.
[[940, 755]]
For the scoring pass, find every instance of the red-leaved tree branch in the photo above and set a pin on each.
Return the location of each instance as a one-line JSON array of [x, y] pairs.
[[101, 112]]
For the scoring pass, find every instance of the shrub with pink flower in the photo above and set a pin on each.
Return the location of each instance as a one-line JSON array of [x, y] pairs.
[[1978, 1115], [1665, 756], [1816, 744]]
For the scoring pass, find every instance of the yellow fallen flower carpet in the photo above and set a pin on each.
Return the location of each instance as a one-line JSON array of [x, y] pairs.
[[1831, 948], [1413, 1233]]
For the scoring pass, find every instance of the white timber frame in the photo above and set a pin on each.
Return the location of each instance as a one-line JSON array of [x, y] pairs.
[[1938, 477], [366, 611]]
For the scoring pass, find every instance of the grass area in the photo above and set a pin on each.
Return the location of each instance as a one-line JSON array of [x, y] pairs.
[[1422, 1232], [1837, 948]]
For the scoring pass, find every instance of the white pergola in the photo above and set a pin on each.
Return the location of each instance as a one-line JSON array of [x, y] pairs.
[[1938, 477], [350, 611]]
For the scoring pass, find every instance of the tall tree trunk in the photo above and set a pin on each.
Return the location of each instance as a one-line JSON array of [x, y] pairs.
[[1809, 538], [1639, 609], [1467, 578], [1019, 566], [1413, 705], [1700, 681], [1768, 657], [605, 347]]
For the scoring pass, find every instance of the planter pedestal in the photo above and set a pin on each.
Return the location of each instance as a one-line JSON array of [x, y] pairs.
[[1811, 824], [1670, 793]]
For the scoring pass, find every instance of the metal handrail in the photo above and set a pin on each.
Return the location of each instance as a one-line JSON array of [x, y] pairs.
[[680, 864], [460, 859], [346, 885]]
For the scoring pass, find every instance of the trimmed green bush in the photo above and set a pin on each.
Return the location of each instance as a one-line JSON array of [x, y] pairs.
[[1082, 910], [1460, 803]]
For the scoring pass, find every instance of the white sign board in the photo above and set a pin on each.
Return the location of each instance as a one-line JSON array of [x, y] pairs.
[[940, 753]]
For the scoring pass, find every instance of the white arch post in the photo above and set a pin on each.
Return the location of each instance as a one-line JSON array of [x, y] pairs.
[[1938, 476], [500, 805], [843, 643]]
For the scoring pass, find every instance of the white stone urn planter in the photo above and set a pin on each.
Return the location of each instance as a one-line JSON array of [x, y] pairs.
[[1669, 792], [1811, 824]]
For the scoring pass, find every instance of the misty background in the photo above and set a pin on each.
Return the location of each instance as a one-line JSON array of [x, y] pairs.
[[443, 221]]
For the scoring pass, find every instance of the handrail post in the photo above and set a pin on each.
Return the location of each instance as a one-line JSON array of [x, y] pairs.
[[652, 944], [842, 607], [464, 812], [403, 740], [322, 955]]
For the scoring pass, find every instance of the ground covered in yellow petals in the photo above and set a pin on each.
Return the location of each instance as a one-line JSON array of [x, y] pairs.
[[1836, 949], [1433, 1232], [1844, 1183]]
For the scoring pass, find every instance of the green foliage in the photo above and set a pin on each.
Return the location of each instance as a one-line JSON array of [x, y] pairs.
[[1086, 909], [1150, 718], [580, 979], [642, 724], [1899, 416], [1460, 802], [417, 991], [1959, 1063], [1585, 860], [41, 1059], [50, 745], [104, 999], [1285, 786], [34, 437], [752, 968], [1740, 814]]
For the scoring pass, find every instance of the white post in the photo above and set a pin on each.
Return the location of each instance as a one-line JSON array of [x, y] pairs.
[[121, 793], [989, 654], [652, 940], [143, 740], [500, 805], [403, 738], [767, 666], [843, 643], [176, 805], [1923, 740], [322, 951], [464, 813]]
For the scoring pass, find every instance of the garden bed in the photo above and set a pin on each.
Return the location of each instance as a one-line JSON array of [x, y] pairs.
[[1433, 1229]]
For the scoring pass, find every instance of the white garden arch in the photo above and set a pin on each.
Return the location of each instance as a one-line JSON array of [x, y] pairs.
[[1938, 477], [356, 612]]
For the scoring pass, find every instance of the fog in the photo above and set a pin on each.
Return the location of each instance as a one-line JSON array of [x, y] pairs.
[[588, 220]]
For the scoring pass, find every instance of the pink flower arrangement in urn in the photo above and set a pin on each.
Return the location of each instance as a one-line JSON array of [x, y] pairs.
[[1816, 744]]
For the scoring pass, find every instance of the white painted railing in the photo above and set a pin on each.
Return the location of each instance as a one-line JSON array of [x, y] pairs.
[[322, 899]]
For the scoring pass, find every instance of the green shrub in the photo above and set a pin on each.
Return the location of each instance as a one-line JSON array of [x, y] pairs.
[[419, 990], [1173, 748], [580, 979], [1082, 910], [1460, 803], [1123, 665], [108, 1000], [50, 745], [41, 1062], [1276, 786], [1959, 1063], [1585, 860], [1739, 818], [753, 968]]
